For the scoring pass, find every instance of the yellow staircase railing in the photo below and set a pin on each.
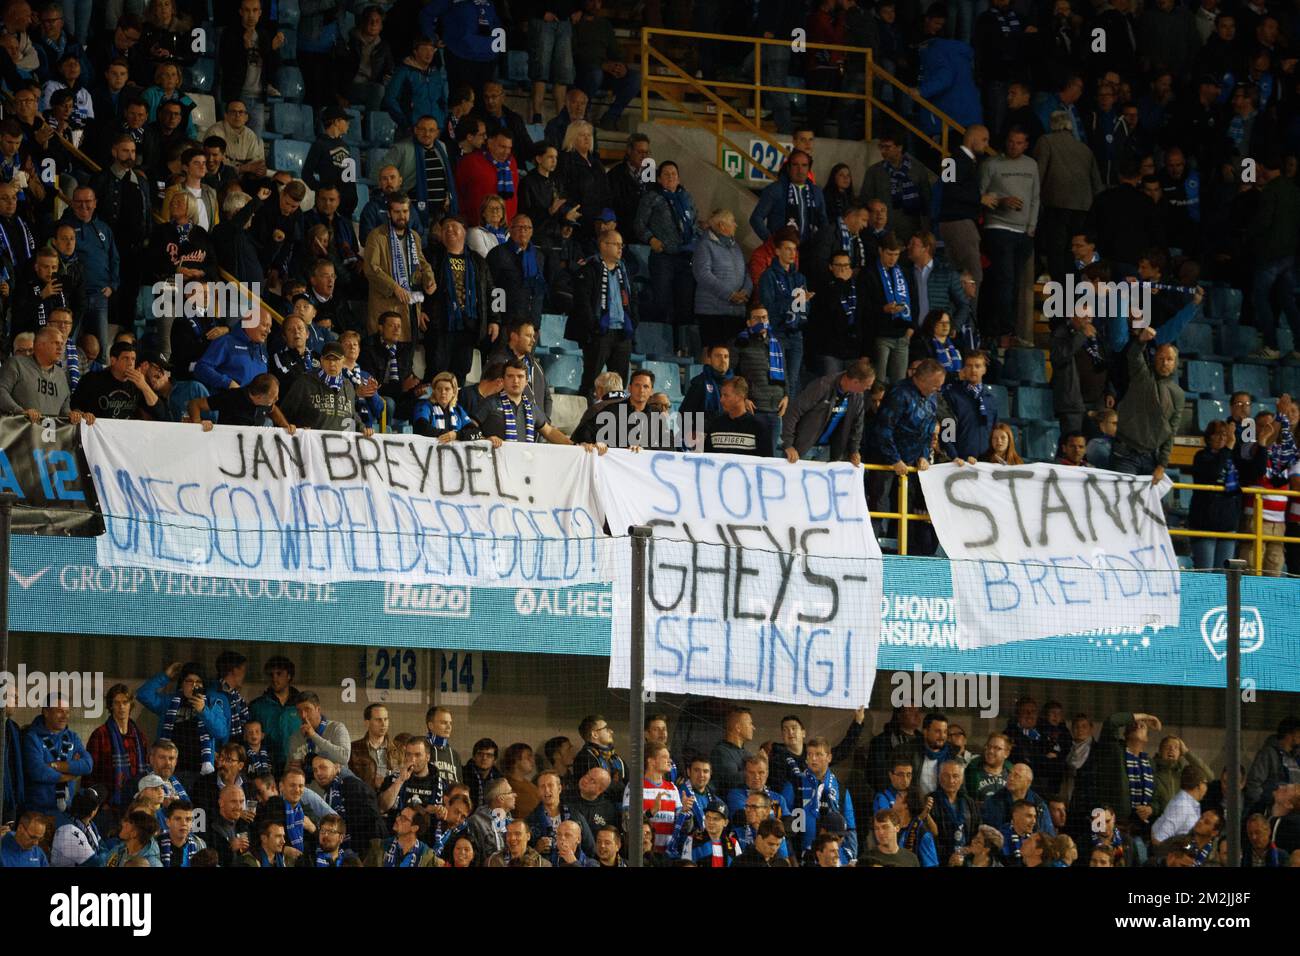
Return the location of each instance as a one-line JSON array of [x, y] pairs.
[[674, 84]]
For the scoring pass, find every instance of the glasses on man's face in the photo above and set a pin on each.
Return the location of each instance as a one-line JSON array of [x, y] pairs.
[[334, 830], [755, 806]]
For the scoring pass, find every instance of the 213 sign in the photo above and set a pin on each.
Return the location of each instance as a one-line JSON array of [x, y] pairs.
[[392, 676], [462, 676]]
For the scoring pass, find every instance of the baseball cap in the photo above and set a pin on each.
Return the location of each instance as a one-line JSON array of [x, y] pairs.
[[150, 780], [333, 114], [332, 349], [606, 215], [716, 806], [832, 823], [156, 358]]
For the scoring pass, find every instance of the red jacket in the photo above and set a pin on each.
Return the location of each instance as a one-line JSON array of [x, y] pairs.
[[476, 178], [826, 27]]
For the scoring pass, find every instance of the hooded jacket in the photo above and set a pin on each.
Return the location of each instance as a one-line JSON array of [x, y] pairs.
[[41, 747]]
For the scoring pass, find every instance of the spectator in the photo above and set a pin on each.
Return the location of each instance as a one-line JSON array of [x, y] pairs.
[[490, 172], [936, 341], [54, 760], [469, 31], [838, 335], [1259, 849], [460, 314], [783, 291], [249, 59], [902, 182], [1150, 411], [550, 814], [524, 271], [418, 88], [1012, 180], [604, 316], [117, 749], [582, 176], [818, 793], [493, 228], [999, 809], [946, 76], [933, 284], [370, 62], [1276, 764], [598, 751], [845, 234], [971, 404], [348, 797], [516, 851], [486, 827], [423, 163], [325, 399], [36, 385], [666, 221], [629, 179], [1184, 811], [793, 200], [415, 784], [887, 852], [512, 415], [721, 286], [275, 711], [728, 755], [626, 422], [598, 62], [1215, 511], [399, 276], [1272, 236], [136, 832], [825, 422], [404, 848], [734, 430]]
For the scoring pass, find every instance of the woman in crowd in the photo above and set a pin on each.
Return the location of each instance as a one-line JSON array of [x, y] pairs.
[[493, 230], [666, 222], [1213, 510], [935, 341], [582, 176], [840, 193], [1002, 446], [722, 286]]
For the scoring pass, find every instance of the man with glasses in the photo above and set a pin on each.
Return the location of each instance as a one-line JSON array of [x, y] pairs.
[[486, 827], [97, 250], [244, 149], [124, 43], [21, 848], [598, 751], [758, 806], [604, 316]]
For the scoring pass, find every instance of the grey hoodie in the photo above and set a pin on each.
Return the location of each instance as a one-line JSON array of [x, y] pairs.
[[24, 384]]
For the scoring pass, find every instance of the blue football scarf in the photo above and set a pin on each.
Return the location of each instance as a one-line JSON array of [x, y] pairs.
[[391, 372], [775, 354], [404, 255], [175, 706], [849, 304], [258, 761], [293, 828], [505, 181], [323, 858], [500, 233], [948, 355], [409, 859], [447, 419], [333, 383], [527, 261], [785, 287], [903, 191], [58, 746], [798, 201], [838, 412], [267, 862], [128, 756], [624, 287], [165, 849], [895, 286], [1141, 779], [512, 425], [459, 316]]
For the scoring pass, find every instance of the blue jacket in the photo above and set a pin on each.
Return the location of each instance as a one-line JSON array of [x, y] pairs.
[[780, 305], [904, 424], [13, 856], [539, 825], [947, 79], [97, 251], [996, 811], [467, 27], [810, 811], [771, 214], [231, 357], [1050, 103], [973, 429], [40, 749], [413, 93], [14, 793], [215, 715]]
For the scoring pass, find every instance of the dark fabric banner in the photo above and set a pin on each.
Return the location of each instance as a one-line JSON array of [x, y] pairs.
[[41, 463]]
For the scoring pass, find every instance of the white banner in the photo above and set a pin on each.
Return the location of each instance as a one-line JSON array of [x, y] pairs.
[[763, 578], [1045, 550], [328, 506]]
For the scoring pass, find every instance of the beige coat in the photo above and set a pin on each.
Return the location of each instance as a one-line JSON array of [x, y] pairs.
[[383, 288]]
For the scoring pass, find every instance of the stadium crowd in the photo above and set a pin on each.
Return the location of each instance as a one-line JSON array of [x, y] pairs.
[[275, 782], [886, 317]]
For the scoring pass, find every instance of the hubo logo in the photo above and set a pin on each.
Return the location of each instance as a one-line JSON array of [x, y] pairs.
[[621, 427], [1099, 300], [82, 691], [428, 600], [179, 298], [81, 910], [936, 691], [1214, 631]]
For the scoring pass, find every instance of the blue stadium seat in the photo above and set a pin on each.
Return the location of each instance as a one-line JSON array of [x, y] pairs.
[[289, 82], [1034, 404], [289, 51], [289, 154], [552, 330], [287, 121], [353, 136], [667, 379], [1225, 304], [692, 370], [655, 339], [563, 373], [1208, 410], [183, 392], [363, 197], [517, 66], [1002, 399], [1239, 340], [1262, 403], [374, 159], [380, 129], [1205, 378], [1041, 441], [1025, 366], [1249, 378], [1197, 340], [1288, 381], [635, 255], [201, 74]]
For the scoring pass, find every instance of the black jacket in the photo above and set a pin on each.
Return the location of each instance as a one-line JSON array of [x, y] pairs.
[[1126, 223], [438, 305], [837, 329], [523, 301], [626, 189], [236, 249], [587, 184], [584, 319], [233, 59], [374, 359], [170, 253], [960, 199]]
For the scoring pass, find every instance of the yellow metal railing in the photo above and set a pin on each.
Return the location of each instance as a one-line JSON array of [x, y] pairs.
[[1256, 535], [676, 83]]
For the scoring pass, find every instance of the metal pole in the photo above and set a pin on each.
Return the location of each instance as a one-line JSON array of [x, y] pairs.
[[1232, 711], [636, 715], [7, 500]]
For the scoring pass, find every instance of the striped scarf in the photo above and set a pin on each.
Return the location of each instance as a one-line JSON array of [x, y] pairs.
[[165, 849], [408, 859], [512, 426], [1141, 779], [444, 836], [785, 287], [624, 290], [851, 243], [478, 783], [1115, 844], [818, 796], [178, 710], [391, 373], [448, 419], [404, 255], [258, 761], [849, 303], [798, 200], [332, 382], [293, 828], [128, 756], [505, 180], [59, 746], [500, 233], [323, 858], [948, 355], [903, 190], [775, 354], [334, 797], [895, 286]]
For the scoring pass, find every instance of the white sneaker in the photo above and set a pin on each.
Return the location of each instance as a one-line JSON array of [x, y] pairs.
[[1264, 352]]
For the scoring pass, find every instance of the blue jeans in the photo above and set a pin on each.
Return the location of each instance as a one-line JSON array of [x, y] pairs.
[[1279, 273], [771, 422], [1130, 461], [550, 51], [96, 320], [792, 345], [595, 80], [1210, 553], [77, 19], [891, 357]]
